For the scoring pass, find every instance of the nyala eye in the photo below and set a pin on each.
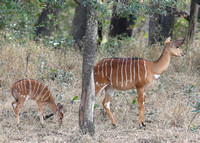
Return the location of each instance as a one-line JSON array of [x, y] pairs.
[[177, 46]]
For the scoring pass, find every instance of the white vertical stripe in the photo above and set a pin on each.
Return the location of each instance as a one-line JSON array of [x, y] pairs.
[[34, 88], [41, 91], [37, 89], [106, 67], [19, 87], [126, 72], [22, 85], [25, 86], [111, 71], [102, 69], [145, 69], [139, 69], [122, 73], [117, 71], [98, 69], [134, 71], [45, 94], [131, 70], [30, 87]]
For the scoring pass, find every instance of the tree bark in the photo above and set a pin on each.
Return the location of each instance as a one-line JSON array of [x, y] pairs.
[[197, 1], [79, 25], [86, 117], [161, 26], [192, 21], [121, 25], [198, 15], [46, 22]]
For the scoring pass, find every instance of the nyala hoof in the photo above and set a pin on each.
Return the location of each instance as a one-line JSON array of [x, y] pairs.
[[142, 125]]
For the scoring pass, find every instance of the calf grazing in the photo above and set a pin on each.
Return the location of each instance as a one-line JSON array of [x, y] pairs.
[[26, 89]]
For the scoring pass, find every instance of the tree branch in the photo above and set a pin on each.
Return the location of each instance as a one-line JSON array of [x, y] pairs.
[[197, 1], [78, 2], [183, 14]]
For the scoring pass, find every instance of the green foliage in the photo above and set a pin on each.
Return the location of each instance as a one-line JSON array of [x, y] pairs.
[[134, 101], [96, 105], [112, 47], [130, 93], [134, 92], [18, 19], [160, 87], [60, 93], [74, 99], [61, 76], [134, 7], [180, 27]]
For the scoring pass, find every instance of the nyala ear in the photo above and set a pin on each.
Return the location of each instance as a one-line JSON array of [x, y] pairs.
[[60, 107], [167, 40], [179, 42]]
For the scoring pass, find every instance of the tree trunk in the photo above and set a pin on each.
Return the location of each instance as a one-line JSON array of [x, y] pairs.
[[100, 33], [79, 25], [161, 26], [46, 21], [192, 21], [86, 117], [1, 49], [197, 1], [121, 25]]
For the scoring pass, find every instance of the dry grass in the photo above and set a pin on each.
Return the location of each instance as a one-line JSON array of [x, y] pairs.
[[167, 111]]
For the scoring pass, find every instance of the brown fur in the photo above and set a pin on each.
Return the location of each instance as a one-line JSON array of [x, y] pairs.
[[25, 89], [132, 73]]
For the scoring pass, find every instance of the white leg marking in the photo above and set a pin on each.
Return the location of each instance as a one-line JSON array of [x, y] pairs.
[[117, 71], [144, 94], [139, 69], [145, 69], [131, 70], [156, 76], [26, 98], [14, 91], [111, 71], [107, 105], [126, 71], [122, 73], [14, 105], [102, 88]]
